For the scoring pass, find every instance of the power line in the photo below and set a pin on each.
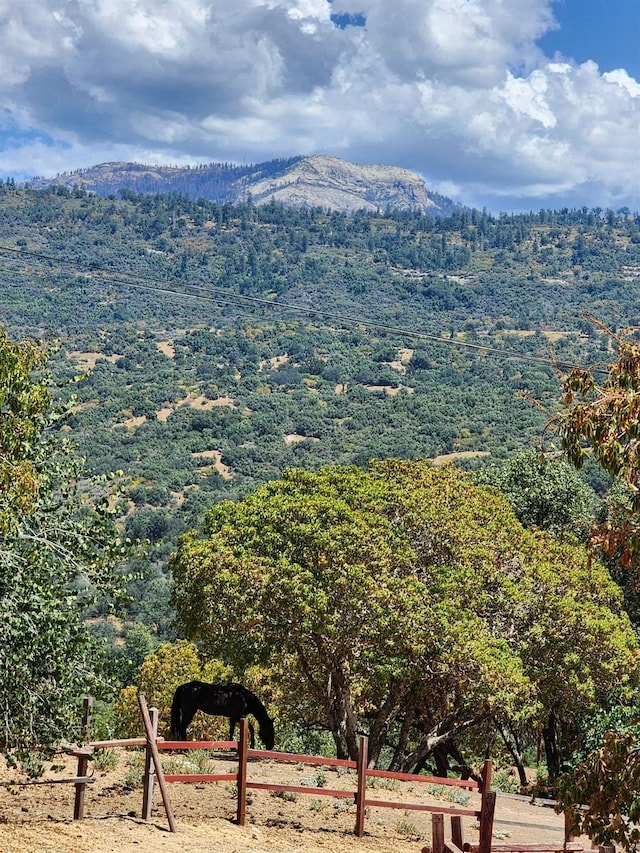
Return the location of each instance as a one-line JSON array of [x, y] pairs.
[[211, 294]]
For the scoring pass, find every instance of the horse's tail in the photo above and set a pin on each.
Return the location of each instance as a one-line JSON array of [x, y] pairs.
[[176, 714]]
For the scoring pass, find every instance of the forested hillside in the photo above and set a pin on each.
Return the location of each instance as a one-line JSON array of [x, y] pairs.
[[210, 346], [217, 181]]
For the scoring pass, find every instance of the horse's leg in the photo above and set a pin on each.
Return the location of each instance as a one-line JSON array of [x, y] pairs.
[[232, 727], [185, 722]]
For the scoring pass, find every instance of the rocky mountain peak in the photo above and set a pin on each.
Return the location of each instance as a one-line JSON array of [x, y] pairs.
[[323, 181], [316, 181]]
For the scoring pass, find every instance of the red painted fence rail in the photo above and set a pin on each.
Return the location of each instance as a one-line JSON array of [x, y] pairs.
[[359, 796], [153, 773]]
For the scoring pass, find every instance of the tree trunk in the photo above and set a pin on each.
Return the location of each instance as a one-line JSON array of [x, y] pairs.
[[401, 746], [551, 745], [511, 742], [428, 746], [440, 756], [442, 734], [395, 702], [342, 716], [416, 758], [461, 767]]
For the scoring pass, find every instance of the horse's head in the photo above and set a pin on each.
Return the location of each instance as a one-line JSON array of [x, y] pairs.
[[267, 733]]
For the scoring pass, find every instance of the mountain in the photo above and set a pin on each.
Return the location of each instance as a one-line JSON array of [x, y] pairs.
[[318, 181], [335, 184]]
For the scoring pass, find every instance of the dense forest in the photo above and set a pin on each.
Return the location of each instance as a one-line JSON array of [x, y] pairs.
[[208, 347]]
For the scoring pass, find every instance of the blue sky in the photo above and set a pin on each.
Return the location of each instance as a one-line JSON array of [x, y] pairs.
[[606, 31], [508, 104]]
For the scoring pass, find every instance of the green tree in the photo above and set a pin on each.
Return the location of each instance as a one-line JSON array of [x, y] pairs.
[[128, 657], [600, 796], [544, 493], [403, 600], [59, 547], [601, 418], [170, 665]]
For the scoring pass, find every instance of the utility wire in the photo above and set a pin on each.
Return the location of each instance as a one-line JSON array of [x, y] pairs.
[[215, 294]]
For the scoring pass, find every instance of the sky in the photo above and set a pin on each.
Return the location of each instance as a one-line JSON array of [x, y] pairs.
[[510, 105]]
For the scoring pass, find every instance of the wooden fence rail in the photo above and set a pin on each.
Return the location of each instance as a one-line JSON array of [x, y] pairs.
[[359, 796], [154, 772]]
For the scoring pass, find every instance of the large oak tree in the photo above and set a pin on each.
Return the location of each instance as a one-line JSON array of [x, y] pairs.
[[407, 602]]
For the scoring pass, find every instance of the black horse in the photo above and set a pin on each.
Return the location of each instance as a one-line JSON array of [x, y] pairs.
[[226, 700]]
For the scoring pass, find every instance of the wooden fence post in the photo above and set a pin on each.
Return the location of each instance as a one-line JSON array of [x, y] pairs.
[[243, 745], [456, 830], [363, 760], [149, 773], [486, 821], [568, 828], [487, 809], [155, 755], [437, 832], [83, 760], [487, 768]]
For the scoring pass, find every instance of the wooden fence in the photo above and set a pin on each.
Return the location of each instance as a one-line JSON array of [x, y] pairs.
[[153, 772], [359, 795], [85, 753]]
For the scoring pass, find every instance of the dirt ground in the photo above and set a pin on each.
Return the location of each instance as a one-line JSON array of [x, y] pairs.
[[39, 817]]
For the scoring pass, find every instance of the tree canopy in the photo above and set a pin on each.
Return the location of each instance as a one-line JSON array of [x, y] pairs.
[[545, 493], [59, 548], [407, 601], [601, 419], [602, 414]]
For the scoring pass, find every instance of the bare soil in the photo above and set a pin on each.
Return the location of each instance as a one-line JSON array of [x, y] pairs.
[[39, 817]]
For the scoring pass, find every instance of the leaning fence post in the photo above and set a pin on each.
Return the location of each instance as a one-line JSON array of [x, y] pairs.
[[363, 760], [149, 773], [155, 755], [83, 759], [243, 743]]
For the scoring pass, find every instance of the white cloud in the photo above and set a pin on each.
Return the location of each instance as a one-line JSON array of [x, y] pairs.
[[457, 89], [621, 77], [528, 98], [469, 41]]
